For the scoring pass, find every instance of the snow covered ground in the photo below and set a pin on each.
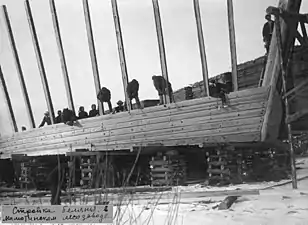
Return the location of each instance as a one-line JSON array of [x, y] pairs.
[[274, 205]]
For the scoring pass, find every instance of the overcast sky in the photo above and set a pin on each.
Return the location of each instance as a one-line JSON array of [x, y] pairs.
[[140, 44]]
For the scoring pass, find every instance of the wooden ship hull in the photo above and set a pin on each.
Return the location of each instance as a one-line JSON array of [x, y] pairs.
[[228, 138]]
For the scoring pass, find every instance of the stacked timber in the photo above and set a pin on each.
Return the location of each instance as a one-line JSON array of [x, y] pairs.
[[264, 164], [168, 169], [86, 166], [25, 180], [223, 165]]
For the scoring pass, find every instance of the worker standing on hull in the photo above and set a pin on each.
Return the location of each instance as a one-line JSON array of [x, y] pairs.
[[267, 32], [160, 85], [104, 95], [132, 92]]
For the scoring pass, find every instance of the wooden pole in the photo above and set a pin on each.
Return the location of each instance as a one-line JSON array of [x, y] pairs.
[[205, 73], [8, 102], [56, 27], [18, 67], [286, 101], [40, 62], [161, 46], [121, 51], [92, 53], [232, 44]]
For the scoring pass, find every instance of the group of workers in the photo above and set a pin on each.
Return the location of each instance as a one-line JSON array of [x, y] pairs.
[[160, 85]]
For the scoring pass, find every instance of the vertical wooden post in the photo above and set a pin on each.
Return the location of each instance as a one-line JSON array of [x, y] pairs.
[[205, 73], [56, 27], [8, 102], [232, 44], [160, 38], [286, 101], [18, 67], [92, 53], [117, 25], [40, 62]]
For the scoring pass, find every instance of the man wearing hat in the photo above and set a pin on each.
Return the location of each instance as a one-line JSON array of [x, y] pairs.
[[46, 119], [267, 32], [120, 107]]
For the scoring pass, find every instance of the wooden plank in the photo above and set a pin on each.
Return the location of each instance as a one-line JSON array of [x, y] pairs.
[[186, 117], [154, 130], [292, 118], [232, 44], [91, 44], [218, 119], [241, 98], [18, 66], [190, 132], [56, 27], [161, 47], [8, 102], [121, 51], [205, 73], [40, 62]]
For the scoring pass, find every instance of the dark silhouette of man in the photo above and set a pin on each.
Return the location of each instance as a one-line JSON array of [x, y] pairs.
[[132, 91], [104, 95], [46, 119], [82, 114], [267, 32], [93, 112], [59, 117], [160, 85]]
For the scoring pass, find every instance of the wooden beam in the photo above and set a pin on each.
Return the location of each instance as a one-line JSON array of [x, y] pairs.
[[56, 27], [284, 75], [271, 123], [304, 31], [40, 62], [161, 46], [205, 73], [301, 87], [92, 53], [18, 66], [294, 117], [118, 31], [8, 102], [232, 44]]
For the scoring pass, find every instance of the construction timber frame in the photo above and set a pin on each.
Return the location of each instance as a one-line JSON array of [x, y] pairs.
[[255, 115]]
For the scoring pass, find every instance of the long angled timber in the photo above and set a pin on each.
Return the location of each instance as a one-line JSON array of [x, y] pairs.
[[40, 61], [161, 46], [8, 102], [232, 44], [205, 72], [56, 27], [18, 66], [118, 30], [92, 53]]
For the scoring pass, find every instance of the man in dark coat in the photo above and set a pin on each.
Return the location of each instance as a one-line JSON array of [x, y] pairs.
[[59, 117], [104, 95], [46, 119], [160, 85], [132, 92], [267, 32], [93, 112], [82, 114], [220, 90], [68, 117]]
